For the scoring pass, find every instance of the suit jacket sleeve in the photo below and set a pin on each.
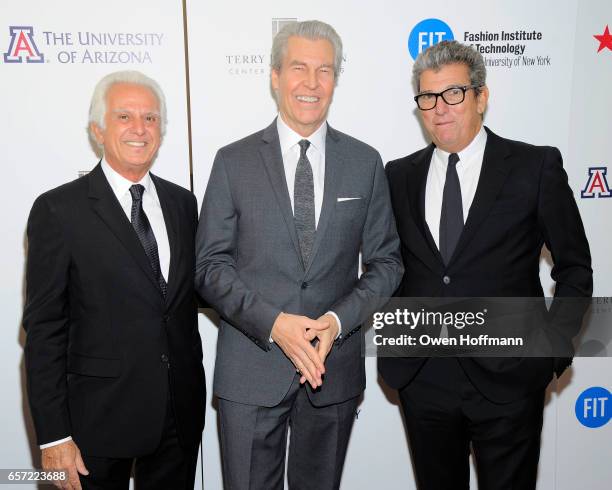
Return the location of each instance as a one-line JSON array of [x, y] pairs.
[[564, 236], [217, 280], [380, 251], [46, 322]]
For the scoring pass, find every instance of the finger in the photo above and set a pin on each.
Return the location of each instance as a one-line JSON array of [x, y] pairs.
[[80, 464], [314, 357], [311, 334], [307, 365], [323, 348], [73, 482], [317, 324], [306, 372], [302, 380]]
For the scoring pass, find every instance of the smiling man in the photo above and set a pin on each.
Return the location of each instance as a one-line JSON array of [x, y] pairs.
[[473, 211], [113, 355], [286, 212]]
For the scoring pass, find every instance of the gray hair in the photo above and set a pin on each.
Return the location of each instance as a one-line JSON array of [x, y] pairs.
[[309, 29], [97, 107], [448, 53]]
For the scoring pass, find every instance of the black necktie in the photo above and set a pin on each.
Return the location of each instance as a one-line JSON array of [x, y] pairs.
[[143, 229], [303, 203], [451, 216]]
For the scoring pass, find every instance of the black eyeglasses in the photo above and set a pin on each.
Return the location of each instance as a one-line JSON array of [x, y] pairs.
[[452, 96]]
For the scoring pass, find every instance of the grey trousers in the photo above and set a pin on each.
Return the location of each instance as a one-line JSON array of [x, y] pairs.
[[254, 443]]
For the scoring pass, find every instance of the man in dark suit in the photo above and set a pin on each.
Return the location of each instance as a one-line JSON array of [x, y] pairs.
[[473, 211], [113, 353], [286, 212]]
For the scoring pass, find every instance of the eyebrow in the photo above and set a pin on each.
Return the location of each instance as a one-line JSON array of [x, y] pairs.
[[118, 110], [453, 85], [303, 63]]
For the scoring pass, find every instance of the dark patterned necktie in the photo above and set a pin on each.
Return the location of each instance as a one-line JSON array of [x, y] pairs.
[[303, 203], [451, 216], [143, 229]]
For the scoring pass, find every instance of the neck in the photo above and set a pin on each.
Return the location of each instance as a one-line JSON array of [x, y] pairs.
[[303, 131], [134, 175]]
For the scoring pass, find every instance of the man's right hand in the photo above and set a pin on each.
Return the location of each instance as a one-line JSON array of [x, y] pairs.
[[65, 457], [289, 333]]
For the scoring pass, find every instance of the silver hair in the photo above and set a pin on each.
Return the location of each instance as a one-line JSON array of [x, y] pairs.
[[448, 53], [97, 107], [309, 29]]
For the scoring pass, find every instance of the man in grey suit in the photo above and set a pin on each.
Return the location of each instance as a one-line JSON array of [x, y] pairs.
[[286, 213]]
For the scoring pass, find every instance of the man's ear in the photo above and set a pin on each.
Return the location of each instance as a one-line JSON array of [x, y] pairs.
[[97, 132], [274, 79], [483, 98]]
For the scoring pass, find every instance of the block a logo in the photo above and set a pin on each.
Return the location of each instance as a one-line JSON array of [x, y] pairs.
[[594, 407], [22, 46], [280, 22], [427, 33], [597, 185]]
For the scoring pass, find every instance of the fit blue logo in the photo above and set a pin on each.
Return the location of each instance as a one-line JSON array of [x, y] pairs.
[[427, 33], [593, 407]]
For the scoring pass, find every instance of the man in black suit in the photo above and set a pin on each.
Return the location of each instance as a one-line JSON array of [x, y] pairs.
[[113, 353], [473, 211]]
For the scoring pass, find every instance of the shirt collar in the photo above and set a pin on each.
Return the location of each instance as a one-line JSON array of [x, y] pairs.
[[289, 138], [120, 184], [475, 146]]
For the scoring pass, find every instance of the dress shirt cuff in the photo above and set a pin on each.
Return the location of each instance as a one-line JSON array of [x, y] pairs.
[[55, 443], [338, 322]]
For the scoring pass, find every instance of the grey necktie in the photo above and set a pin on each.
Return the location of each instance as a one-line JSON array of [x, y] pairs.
[[143, 229], [451, 216], [303, 203]]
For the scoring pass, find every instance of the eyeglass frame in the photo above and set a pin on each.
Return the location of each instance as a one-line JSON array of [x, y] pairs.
[[464, 89]]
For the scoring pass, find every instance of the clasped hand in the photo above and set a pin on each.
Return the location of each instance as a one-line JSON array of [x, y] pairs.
[[294, 335]]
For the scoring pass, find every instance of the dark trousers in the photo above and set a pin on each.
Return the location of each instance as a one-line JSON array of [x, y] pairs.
[[445, 413], [254, 442], [169, 467]]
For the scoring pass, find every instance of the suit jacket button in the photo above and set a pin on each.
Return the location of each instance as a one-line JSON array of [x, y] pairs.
[[446, 280], [164, 358], [304, 285]]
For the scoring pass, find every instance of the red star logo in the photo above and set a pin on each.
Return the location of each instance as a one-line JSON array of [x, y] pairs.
[[605, 40]]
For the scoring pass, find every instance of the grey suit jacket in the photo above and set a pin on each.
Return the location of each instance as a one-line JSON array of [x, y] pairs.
[[249, 266]]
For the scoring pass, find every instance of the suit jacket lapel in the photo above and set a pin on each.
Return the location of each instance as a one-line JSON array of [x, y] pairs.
[[334, 160], [416, 183], [105, 204], [492, 177], [273, 161], [173, 228]]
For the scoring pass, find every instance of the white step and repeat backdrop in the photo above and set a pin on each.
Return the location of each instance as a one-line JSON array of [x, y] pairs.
[[549, 82]]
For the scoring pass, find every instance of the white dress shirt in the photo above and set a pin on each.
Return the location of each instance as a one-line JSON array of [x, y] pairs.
[[290, 151], [468, 171], [152, 208]]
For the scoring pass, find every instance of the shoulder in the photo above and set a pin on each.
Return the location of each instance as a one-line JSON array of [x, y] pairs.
[[177, 192], [405, 164], [353, 146], [522, 150], [243, 147], [64, 195]]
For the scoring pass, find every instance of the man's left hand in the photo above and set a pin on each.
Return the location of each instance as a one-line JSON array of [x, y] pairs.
[[325, 338]]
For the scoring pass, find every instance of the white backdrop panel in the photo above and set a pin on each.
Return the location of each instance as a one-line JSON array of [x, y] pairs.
[[44, 140], [530, 101]]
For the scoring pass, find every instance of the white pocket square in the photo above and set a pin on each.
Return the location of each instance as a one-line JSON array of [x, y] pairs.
[[342, 199]]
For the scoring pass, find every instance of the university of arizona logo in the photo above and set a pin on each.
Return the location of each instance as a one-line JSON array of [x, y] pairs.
[[597, 185], [22, 46]]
